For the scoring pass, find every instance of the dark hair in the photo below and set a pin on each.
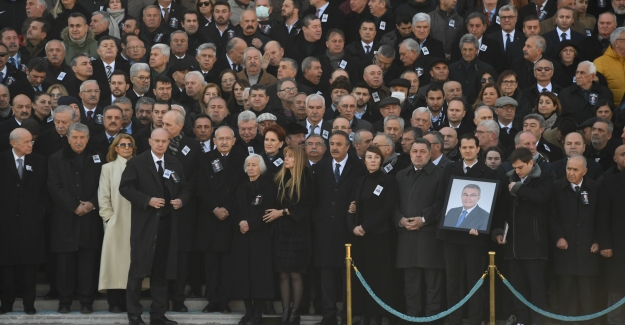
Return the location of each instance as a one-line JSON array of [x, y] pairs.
[[554, 99], [162, 102], [202, 115], [258, 87], [469, 136], [122, 2], [8, 29], [495, 149], [376, 151], [610, 105], [422, 141], [361, 85], [110, 107], [529, 18], [567, 125], [343, 134], [505, 74], [118, 72], [367, 21], [474, 15], [434, 87], [232, 101], [307, 19], [403, 18], [46, 26], [341, 82], [522, 154], [77, 15], [277, 129], [162, 79], [335, 31], [221, 3], [137, 21], [106, 38], [416, 132], [38, 64], [39, 94], [297, 5]]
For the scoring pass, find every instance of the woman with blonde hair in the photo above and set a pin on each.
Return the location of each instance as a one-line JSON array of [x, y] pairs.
[[292, 243], [208, 91], [115, 213], [56, 91]]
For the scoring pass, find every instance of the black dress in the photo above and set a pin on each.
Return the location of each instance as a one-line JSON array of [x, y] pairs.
[[249, 273], [292, 238], [376, 196]]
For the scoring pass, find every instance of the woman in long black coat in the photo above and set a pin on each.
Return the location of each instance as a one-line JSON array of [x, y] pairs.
[[374, 199], [292, 242], [249, 274], [274, 140]]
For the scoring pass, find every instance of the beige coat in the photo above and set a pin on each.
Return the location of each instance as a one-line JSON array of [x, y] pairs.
[[115, 212]]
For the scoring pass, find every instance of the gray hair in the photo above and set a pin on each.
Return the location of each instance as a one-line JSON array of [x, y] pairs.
[[198, 74], [540, 43], [15, 134], [137, 67], [551, 63], [178, 118], [517, 137], [65, 108], [387, 138], [283, 80], [78, 127], [316, 97], [224, 127], [84, 83], [508, 8], [579, 157], [421, 17], [250, 49], [491, 126], [106, 17], [386, 51], [179, 109], [398, 119], [7, 89], [474, 15], [42, 3], [292, 62], [206, 46], [123, 100], [411, 45], [144, 101], [357, 136], [55, 40], [261, 163], [422, 110], [607, 122], [616, 33], [437, 135], [178, 32], [608, 13], [537, 117], [246, 116], [482, 108], [345, 96], [74, 61], [165, 50], [150, 7], [592, 68], [469, 39], [307, 63], [232, 44]]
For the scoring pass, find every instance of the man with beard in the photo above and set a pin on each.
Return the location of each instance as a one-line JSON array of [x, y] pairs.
[[140, 79], [412, 59], [362, 94], [21, 111], [220, 31], [253, 62], [163, 89], [143, 110], [131, 26], [291, 24], [298, 108], [35, 40], [191, 27], [275, 53], [312, 71], [602, 145], [249, 32], [113, 116], [118, 85], [152, 31], [434, 98], [401, 31], [308, 42], [82, 71], [58, 70]]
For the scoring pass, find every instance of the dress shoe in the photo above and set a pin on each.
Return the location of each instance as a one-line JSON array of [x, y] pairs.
[[135, 320], [224, 308], [115, 309], [180, 308], [162, 320], [5, 310], [244, 320], [30, 310], [211, 308], [86, 309], [294, 318], [285, 315], [64, 309]]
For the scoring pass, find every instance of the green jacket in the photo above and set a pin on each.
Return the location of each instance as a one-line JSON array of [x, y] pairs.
[[89, 46]]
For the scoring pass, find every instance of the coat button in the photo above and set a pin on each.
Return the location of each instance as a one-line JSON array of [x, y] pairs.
[[332, 203], [18, 185]]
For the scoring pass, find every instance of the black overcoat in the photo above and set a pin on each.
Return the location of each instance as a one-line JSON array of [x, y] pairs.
[[611, 226]]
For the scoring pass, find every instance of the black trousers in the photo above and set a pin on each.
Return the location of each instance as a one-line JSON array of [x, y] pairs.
[[79, 266], [416, 279], [471, 260], [572, 289], [528, 278], [12, 273], [158, 279], [332, 285], [182, 276], [116, 297], [213, 264]]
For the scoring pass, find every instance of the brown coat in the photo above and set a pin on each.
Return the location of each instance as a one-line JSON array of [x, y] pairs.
[[265, 78]]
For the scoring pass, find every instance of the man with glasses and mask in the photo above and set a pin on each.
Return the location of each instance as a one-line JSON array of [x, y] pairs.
[[140, 79]]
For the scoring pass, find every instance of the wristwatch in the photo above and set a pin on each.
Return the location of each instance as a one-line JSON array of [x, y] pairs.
[[423, 219], [284, 212]]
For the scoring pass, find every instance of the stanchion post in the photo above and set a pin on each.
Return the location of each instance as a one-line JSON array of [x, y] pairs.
[[348, 279], [491, 272]]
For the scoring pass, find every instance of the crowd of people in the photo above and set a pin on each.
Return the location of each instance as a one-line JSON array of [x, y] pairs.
[[229, 149]]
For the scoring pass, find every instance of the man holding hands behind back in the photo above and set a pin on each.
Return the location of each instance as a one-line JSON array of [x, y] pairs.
[[154, 184]]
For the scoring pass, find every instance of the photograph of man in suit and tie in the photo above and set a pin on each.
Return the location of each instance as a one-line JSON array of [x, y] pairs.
[[470, 215]]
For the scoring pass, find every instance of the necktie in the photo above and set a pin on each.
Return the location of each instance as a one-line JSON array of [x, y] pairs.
[[89, 116], [544, 90], [367, 47], [317, 13], [487, 14], [312, 129], [537, 11], [337, 172], [506, 129], [563, 37], [13, 62], [203, 146], [166, 16], [461, 219], [576, 189], [160, 170], [1, 77], [109, 71], [20, 167], [111, 139], [467, 169], [508, 41]]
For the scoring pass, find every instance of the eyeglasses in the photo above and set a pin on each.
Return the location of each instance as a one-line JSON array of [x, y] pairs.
[[508, 82], [3, 54], [540, 69], [124, 145], [135, 48], [204, 4], [508, 108], [95, 91], [484, 80], [142, 78], [289, 90], [59, 95]]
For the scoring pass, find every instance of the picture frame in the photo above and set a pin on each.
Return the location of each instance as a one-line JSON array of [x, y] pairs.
[[469, 204]]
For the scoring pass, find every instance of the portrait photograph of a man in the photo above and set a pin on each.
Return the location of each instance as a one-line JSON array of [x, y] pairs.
[[469, 205]]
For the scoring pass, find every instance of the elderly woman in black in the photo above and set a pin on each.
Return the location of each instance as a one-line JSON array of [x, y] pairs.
[[249, 273], [292, 243], [374, 198]]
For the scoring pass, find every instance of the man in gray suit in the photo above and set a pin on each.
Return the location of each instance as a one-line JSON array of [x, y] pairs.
[[469, 215]]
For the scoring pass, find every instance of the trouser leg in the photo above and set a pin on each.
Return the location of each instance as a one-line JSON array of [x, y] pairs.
[[87, 260], [453, 260], [475, 264], [519, 280], [181, 277], [617, 316], [329, 291], [535, 270], [133, 296], [211, 265], [434, 291], [158, 279], [412, 290], [8, 286], [29, 287], [66, 277]]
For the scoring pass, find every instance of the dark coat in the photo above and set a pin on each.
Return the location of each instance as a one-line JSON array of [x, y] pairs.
[[140, 182], [214, 190], [432, 48], [421, 195], [466, 73], [49, 142], [530, 10], [95, 125], [23, 203], [99, 75], [490, 51], [249, 265], [549, 150], [100, 143], [243, 148], [13, 75], [23, 87], [330, 230], [553, 39], [384, 24], [298, 48], [525, 209], [68, 185], [212, 33], [373, 211], [273, 167], [532, 92], [356, 52], [524, 70], [576, 106], [595, 170], [335, 19], [577, 224], [611, 224], [53, 77], [8, 126]]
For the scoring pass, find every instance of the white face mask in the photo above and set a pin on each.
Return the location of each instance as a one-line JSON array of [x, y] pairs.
[[399, 95], [262, 12]]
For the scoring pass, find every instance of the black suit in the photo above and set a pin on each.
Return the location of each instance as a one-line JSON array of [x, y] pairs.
[[298, 48], [53, 77], [134, 98], [214, 35], [22, 246], [595, 170], [356, 52], [553, 39], [153, 239], [530, 10], [524, 70], [23, 87], [516, 46], [432, 48], [12, 76], [531, 93], [8, 126], [100, 142], [335, 19], [95, 123], [490, 51], [99, 75], [49, 142], [330, 229]]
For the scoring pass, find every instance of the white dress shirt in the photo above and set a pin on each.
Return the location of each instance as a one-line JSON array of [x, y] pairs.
[[341, 163]]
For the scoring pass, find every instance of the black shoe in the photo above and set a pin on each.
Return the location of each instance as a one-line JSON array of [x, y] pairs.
[[136, 320], [162, 320], [224, 308], [5, 310], [115, 309], [86, 309], [64, 309], [285, 315], [294, 318], [327, 321], [30, 310], [255, 321], [211, 308], [180, 308], [244, 320]]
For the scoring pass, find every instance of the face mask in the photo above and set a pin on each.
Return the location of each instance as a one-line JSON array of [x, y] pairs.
[[262, 12], [399, 95]]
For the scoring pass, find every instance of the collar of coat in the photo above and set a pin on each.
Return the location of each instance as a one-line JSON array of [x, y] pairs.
[[428, 168], [535, 173], [68, 41], [68, 152]]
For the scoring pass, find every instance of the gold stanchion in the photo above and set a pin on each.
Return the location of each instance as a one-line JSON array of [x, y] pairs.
[[491, 271], [348, 279]]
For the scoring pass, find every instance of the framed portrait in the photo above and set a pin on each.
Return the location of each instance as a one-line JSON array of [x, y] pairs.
[[469, 204]]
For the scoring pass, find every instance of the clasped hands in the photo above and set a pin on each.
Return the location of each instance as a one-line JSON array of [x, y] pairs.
[[84, 208], [413, 223], [158, 203]]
